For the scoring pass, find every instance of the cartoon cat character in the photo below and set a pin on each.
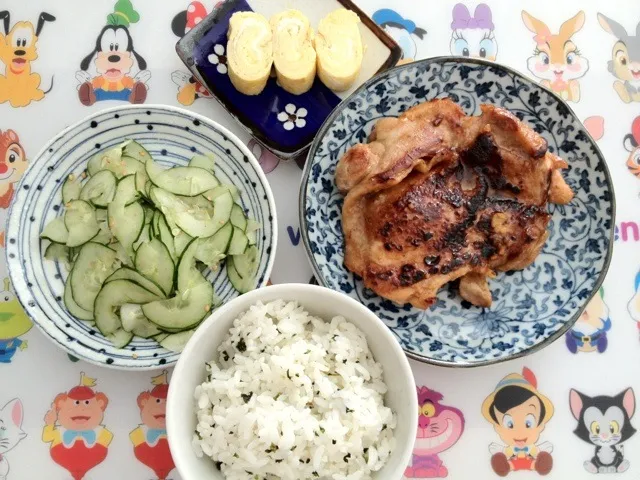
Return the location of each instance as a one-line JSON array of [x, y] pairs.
[[605, 423], [625, 61], [473, 36], [11, 433], [439, 428], [556, 61], [13, 324]]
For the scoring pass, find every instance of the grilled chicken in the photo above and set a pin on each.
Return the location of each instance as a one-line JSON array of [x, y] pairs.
[[437, 196]]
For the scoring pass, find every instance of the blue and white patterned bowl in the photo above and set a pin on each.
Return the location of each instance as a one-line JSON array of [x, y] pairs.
[[172, 136], [531, 308]]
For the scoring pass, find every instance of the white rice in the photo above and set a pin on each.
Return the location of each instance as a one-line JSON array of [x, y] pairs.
[[294, 397]]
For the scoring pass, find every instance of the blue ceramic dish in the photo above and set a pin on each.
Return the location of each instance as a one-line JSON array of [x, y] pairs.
[[285, 123], [531, 308], [172, 136]]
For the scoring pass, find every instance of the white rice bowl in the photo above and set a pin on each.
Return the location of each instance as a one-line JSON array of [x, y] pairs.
[[293, 397]]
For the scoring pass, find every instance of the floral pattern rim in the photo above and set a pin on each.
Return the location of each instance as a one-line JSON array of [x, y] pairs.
[[531, 308]]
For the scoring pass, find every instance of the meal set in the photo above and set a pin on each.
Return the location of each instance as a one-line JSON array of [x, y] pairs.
[[145, 236]]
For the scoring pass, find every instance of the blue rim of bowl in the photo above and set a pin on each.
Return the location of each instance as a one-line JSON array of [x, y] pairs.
[[13, 274], [324, 129]]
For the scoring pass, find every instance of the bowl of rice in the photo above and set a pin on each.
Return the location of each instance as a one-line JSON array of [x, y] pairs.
[[292, 381]]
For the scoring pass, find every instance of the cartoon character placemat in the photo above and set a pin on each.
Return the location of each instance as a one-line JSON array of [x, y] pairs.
[[566, 412]]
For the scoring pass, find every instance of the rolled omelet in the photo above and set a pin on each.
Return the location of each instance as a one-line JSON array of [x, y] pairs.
[[339, 49], [293, 54], [249, 52]]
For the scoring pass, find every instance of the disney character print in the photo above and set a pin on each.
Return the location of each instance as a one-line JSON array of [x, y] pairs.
[[439, 428], [632, 145], [14, 323], [589, 333], [11, 433], [556, 60], [519, 413], [625, 59], [150, 444], [404, 31], [114, 58], [78, 440], [18, 50], [605, 423], [473, 36], [13, 164]]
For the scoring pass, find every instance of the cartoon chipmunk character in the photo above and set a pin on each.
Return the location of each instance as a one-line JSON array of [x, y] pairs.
[[556, 60], [625, 62], [13, 164], [17, 50]]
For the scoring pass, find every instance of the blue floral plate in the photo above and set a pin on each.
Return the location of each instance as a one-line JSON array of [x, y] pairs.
[[172, 136], [531, 308]]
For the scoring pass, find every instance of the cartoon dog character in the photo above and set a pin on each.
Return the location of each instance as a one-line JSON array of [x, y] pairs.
[[114, 59], [439, 428], [18, 48], [473, 36], [519, 413], [589, 334], [13, 324], [189, 88], [625, 62], [73, 427], [150, 444], [403, 31], [11, 433], [556, 60], [13, 164], [632, 144]]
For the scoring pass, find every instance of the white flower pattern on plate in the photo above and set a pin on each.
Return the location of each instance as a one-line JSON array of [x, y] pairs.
[[292, 117], [218, 58]]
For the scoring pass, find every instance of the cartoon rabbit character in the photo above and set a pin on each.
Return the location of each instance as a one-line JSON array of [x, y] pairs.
[[556, 61], [625, 63], [473, 36]]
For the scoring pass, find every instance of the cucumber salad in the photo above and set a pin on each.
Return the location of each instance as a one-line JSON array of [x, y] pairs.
[[138, 239]]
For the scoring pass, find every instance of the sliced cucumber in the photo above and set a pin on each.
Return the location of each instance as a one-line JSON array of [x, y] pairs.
[[183, 311], [239, 242], [71, 188], [246, 264], [136, 151], [221, 190], [134, 321], [111, 297], [181, 241], [126, 192], [176, 341], [80, 220], [56, 231], [154, 261], [161, 336], [126, 224], [242, 285], [206, 162], [120, 338], [251, 231], [145, 237], [99, 189], [93, 265], [126, 273], [238, 218], [187, 181], [195, 222], [101, 214], [57, 252], [188, 275], [141, 183], [166, 237], [75, 309], [211, 250], [114, 161], [96, 163]]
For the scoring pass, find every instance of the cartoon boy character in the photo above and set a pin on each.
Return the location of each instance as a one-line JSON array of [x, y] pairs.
[[403, 31], [114, 59], [13, 324], [439, 428], [519, 413], [13, 164], [590, 331], [73, 427], [150, 444]]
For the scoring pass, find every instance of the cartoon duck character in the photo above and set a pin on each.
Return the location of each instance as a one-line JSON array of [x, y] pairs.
[[18, 50], [13, 324], [403, 31], [114, 60], [632, 145], [150, 444], [189, 88], [589, 334], [13, 164], [439, 428], [473, 36], [519, 413], [73, 427]]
